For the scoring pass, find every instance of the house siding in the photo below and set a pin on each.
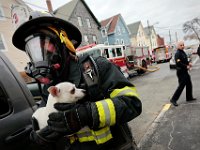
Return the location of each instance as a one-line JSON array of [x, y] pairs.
[[123, 35], [81, 11], [16, 56]]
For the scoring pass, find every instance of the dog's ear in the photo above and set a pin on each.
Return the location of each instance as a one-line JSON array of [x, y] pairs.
[[53, 90]]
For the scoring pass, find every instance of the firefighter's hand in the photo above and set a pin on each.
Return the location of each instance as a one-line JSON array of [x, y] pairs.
[[70, 118], [44, 136]]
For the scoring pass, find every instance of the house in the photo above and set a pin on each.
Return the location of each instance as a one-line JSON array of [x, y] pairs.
[[78, 13], [152, 36], [9, 21], [138, 36], [115, 31], [160, 40]]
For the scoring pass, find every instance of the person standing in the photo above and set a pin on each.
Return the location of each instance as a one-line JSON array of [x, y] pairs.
[[182, 66]]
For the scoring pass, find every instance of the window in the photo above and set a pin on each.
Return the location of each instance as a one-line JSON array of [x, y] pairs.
[[85, 38], [4, 105], [1, 14], [103, 32], [105, 53], [118, 30], [2, 46], [119, 51], [117, 41], [113, 52], [123, 30], [94, 38], [80, 23], [88, 23], [122, 41]]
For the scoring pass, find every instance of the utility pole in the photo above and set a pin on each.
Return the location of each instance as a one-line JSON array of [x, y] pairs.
[[49, 5], [176, 36], [149, 35], [170, 40]]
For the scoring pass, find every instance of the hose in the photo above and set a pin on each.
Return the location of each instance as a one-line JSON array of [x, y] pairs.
[[149, 70]]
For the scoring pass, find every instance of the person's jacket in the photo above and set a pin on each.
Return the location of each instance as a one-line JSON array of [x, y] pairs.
[[181, 60], [114, 102], [198, 50]]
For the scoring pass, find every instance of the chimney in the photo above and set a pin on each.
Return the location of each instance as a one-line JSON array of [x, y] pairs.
[[49, 6]]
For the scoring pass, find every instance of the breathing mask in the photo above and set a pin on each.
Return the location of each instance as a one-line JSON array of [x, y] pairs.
[[45, 53]]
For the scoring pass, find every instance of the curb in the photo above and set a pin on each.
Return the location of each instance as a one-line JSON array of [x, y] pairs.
[[153, 126]]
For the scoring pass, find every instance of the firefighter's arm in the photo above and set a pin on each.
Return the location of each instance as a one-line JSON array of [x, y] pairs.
[[122, 106], [122, 103]]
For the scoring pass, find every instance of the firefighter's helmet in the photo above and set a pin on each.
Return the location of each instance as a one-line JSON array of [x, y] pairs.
[[48, 41], [37, 20]]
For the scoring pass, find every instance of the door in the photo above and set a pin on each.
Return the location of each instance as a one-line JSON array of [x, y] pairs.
[[16, 108]]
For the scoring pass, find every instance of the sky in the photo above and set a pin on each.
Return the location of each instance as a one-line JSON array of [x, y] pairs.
[[167, 16]]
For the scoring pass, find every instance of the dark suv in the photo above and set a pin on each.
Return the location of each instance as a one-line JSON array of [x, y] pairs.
[[16, 107]]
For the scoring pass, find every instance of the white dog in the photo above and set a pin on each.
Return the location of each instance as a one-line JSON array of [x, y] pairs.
[[64, 92]]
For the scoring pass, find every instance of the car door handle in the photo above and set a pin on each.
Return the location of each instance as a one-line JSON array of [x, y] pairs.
[[19, 134]]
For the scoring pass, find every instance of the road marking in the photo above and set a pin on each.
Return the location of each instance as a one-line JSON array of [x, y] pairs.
[[166, 107]]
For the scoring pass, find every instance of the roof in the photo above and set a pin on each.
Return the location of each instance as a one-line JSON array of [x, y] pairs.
[[147, 29], [67, 9], [134, 27], [110, 23]]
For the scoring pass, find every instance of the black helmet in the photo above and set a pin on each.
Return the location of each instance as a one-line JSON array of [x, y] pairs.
[[48, 41], [37, 20]]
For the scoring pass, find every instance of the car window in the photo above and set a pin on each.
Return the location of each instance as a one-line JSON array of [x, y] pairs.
[[5, 108]]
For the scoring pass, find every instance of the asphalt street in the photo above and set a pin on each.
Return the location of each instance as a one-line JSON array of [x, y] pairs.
[[177, 128]]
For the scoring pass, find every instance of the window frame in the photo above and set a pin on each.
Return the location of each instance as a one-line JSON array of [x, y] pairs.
[[94, 38], [88, 23], [122, 41], [86, 38], [80, 22], [104, 32]]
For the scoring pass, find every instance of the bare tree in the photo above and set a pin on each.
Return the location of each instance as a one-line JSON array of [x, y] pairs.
[[192, 27], [197, 21]]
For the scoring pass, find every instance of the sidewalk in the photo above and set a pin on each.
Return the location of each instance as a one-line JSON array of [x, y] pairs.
[[177, 128]]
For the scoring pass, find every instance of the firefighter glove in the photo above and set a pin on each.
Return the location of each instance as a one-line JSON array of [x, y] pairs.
[[70, 118], [44, 136]]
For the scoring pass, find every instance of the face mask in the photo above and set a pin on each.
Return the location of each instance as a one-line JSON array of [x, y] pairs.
[[45, 57]]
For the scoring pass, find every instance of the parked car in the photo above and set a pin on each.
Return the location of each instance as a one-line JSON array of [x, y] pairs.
[[17, 105], [172, 63]]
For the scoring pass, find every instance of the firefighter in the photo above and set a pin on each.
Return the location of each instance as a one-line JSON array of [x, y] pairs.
[[110, 102]]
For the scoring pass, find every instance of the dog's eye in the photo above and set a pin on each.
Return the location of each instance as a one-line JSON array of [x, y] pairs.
[[72, 91]]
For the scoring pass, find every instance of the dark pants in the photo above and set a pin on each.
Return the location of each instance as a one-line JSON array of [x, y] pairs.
[[184, 80]]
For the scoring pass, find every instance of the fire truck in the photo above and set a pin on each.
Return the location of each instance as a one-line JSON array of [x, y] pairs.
[[121, 55], [138, 58], [162, 54]]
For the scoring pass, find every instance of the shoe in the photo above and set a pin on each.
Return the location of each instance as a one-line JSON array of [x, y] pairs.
[[192, 99], [174, 103]]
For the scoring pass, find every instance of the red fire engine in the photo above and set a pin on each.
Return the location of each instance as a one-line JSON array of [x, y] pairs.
[[162, 54], [129, 59]]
